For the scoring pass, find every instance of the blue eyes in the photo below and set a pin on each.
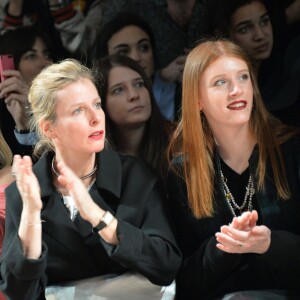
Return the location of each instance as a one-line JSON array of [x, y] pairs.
[[78, 110], [98, 105], [222, 82]]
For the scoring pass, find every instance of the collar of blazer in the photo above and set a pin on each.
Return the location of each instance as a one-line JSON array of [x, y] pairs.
[[108, 176]]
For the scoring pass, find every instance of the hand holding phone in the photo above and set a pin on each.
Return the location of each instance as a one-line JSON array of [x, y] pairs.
[[6, 63]]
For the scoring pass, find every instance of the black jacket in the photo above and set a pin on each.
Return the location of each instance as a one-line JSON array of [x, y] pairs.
[[72, 251]]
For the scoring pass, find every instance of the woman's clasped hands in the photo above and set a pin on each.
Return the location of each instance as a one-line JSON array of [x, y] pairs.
[[243, 235]]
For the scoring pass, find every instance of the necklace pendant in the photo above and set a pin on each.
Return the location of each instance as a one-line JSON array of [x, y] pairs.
[[247, 203]]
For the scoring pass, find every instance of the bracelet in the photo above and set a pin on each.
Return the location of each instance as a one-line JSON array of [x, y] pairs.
[[34, 224]]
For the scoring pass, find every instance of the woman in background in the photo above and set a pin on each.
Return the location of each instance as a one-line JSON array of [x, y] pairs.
[[248, 23], [32, 50], [129, 35], [234, 185], [134, 123]]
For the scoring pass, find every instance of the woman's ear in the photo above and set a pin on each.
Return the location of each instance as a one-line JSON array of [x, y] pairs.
[[46, 129]]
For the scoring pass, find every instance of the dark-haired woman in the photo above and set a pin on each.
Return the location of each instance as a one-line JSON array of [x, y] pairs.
[[32, 50], [129, 35], [134, 123]]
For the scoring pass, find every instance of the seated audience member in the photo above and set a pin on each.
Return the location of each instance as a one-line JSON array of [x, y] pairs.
[[234, 186], [176, 25], [133, 122], [32, 50], [248, 23], [129, 35], [5, 179], [73, 25], [82, 210]]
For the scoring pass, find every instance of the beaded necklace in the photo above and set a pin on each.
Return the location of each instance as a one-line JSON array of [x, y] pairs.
[[247, 203]]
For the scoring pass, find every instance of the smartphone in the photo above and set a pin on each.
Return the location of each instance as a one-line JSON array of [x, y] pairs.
[[6, 63]]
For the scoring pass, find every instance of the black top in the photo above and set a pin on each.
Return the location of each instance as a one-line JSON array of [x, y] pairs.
[[71, 250]]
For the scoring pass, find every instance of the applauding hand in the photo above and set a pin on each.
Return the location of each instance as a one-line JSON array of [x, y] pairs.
[[242, 235]]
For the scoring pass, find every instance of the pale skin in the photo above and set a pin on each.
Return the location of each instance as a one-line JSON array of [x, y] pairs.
[[78, 115], [226, 98], [129, 107], [244, 236]]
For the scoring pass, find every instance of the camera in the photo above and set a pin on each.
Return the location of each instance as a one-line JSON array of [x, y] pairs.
[[6, 63]]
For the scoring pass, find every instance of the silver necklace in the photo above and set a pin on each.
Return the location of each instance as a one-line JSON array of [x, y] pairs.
[[250, 191], [82, 177]]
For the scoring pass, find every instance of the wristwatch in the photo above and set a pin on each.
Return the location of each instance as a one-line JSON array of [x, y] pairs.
[[104, 222]]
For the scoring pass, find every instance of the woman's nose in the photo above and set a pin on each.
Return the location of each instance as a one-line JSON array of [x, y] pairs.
[[135, 55], [132, 94], [95, 117], [235, 89], [258, 33]]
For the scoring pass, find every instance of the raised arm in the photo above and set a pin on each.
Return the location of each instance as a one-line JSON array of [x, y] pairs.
[[30, 229]]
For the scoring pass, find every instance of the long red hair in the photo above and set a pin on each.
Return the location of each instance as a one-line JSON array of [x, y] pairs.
[[194, 140]]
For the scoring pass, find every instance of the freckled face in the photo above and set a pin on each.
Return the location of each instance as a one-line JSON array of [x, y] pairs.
[[226, 93], [128, 100], [80, 122]]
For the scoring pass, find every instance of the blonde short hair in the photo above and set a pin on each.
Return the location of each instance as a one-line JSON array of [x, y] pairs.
[[43, 92]]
